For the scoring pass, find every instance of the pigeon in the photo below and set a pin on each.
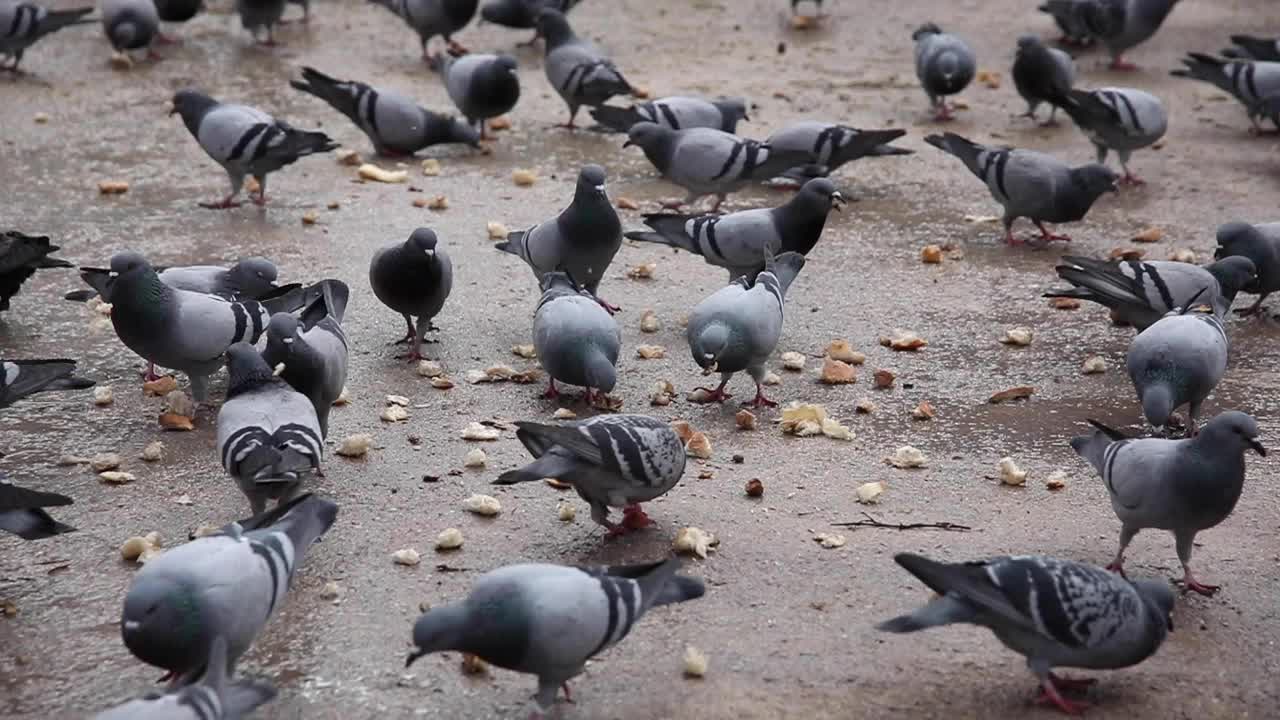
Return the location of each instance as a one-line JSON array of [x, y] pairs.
[[1056, 613], [738, 241], [176, 11], [22, 24], [1141, 292], [575, 68], [1042, 74], [1183, 486], [576, 339], [244, 141], [227, 584], [20, 256], [1249, 82], [1120, 119], [1030, 184], [259, 14], [831, 145], [430, 18], [1249, 47], [20, 378], [676, 112], [269, 437], [945, 66], [706, 161], [184, 330], [1070, 18], [611, 460], [251, 278], [395, 124], [131, 25], [414, 279], [1177, 361], [22, 511], [214, 697], [481, 86], [548, 620], [1121, 25], [737, 327], [522, 14], [313, 349], [1261, 245], [581, 240]]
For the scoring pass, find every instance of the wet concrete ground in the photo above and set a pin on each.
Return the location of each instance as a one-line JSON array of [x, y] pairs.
[[786, 624]]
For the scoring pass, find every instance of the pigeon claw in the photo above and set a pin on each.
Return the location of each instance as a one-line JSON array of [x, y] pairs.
[[1123, 65], [1131, 179], [1069, 683], [717, 395], [551, 392], [1117, 567], [1049, 695], [224, 204], [760, 400], [1190, 584], [634, 518]]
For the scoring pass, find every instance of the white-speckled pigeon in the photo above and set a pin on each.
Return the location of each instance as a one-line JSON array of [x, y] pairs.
[[482, 87], [22, 24], [576, 69], [1177, 361], [576, 339], [20, 256], [22, 511], [1260, 244], [413, 278], [313, 349], [20, 378], [1042, 74], [430, 18], [945, 65], [676, 112], [1252, 83]]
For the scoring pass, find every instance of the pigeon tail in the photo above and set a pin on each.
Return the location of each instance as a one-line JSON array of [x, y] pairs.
[[550, 465], [944, 610], [616, 118]]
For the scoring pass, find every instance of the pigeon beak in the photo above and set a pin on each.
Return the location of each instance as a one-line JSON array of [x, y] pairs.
[[1257, 446], [836, 201], [745, 118], [414, 656], [628, 143], [173, 109]]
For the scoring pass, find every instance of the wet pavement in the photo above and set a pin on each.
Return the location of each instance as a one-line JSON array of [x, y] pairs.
[[787, 625]]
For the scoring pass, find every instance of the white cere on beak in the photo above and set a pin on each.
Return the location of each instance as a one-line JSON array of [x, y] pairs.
[[132, 624], [113, 273], [600, 187], [287, 341]]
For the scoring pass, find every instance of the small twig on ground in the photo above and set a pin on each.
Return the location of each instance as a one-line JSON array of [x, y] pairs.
[[872, 522]]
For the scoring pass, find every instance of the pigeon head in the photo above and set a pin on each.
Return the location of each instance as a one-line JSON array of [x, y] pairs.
[[733, 109], [708, 345], [441, 628], [422, 240], [591, 181], [162, 622], [1233, 432], [1159, 599], [821, 193], [1157, 403], [128, 263], [254, 276], [926, 30], [655, 140], [553, 26], [282, 331], [246, 369], [1234, 273], [192, 106], [1095, 179], [1244, 240], [1027, 42], [559, 283]]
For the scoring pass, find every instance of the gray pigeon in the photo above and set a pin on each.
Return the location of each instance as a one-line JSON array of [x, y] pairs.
[[269, 437], [1042, 74], [548, 620], [1141, 292], [131, 25], [576, 339], [244, 141], [1249, 47], [945, 66], [1124, 24], [1249, 82], [675, 112], [430, 18], [214, 697], [414, 279], [1183, 486], [523, 14], [738, 241], [1070, 18], [224, 585], [611, 460], [1177, 361], [482, 87], [1030, 184], [20, 378], [22, 24], [1261, 245], [579, 72], [1056, 613], [706, 161], [1120, 119], [259, 14], [581, 240], [20, 256], [830, 145], [737, 327], [22, 512], [395, 124], [252, 278], [313, 349]]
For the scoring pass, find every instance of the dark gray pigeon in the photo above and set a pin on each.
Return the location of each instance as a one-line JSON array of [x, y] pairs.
[[131, 25], [1056, 613], [611, 460], [22, 511], [522, 14], [1069, 16], [580, 241], [22, 24], [394, 123], [1121, 25], [1042, 74], [244, 141], [20, 378], [413, 278], [576, 339], [1177, 361], [430, 18], [548, 620], [225, 585], [1141, 292], [1120, 119], [256, 15], [706, 161], [738, 241], [21, 256], [214, 697], [176, 11], [252, 278], [578, 71], [945, 65], [830, 145], [1252, 83], [1183, 486], [313, 349], [1249, 47], [676, 112], [1261, 245], [482, 87], [1030, 184], [738, 327]]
